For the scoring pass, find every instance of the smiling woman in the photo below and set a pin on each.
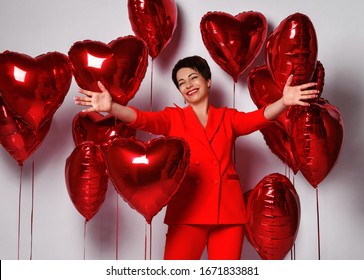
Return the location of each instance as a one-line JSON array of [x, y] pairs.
[[117, 231], [208, 196]]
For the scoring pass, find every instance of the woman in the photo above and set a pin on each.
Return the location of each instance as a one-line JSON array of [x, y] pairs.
[[209, 207]]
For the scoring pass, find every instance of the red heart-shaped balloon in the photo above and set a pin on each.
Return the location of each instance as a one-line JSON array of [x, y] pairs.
[[316, 139], [264, 91], [100, 129], [147, 175], [274, 216], [278, 141], [19, 139], [154, 21], [234, 41], [120, 66], [86, 179], [292, 49], [34, 88]]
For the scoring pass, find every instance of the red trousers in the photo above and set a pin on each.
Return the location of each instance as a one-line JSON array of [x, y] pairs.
[[187, 242]]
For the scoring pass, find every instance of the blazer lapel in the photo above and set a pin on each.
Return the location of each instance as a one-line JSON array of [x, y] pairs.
[[216, 116], [194, 126]]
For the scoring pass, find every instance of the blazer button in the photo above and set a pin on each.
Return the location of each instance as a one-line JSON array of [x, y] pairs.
[[197, 162], [214, 162], [215, 181]]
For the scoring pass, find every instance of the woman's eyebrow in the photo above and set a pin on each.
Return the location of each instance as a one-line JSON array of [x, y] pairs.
[[187, 76]]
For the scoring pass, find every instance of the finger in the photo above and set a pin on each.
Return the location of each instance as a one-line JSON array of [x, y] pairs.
[[79, 98], [101, 86], [308, 85], [301, 103], [91, 109], [308, 96], [86, 92], [310, 92], [289, 80], [83, 103]]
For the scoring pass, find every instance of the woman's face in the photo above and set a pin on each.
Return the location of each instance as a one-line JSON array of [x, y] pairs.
[[192, 85]]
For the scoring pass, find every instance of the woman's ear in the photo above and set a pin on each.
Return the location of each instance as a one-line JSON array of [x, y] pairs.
[[209, 83]]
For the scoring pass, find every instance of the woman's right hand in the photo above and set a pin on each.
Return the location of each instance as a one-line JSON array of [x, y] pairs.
[[98, 101]]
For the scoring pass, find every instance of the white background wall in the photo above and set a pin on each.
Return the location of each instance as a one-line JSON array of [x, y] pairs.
[[37, 27]]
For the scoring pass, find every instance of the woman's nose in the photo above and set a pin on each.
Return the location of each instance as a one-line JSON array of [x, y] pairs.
[[188, 84]]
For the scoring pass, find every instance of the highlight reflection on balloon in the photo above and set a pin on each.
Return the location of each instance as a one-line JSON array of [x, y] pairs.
[[147, 175], [234, 41]]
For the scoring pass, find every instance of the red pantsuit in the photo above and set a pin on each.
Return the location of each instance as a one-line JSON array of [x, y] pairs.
[[211, 193]]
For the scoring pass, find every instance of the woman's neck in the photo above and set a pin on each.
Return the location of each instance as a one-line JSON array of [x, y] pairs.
[[202, 111]]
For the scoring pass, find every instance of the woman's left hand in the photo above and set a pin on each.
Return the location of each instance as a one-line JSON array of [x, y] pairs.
[[296, 95]]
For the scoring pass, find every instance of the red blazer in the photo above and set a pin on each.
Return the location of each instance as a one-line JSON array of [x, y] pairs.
[[211, 192]]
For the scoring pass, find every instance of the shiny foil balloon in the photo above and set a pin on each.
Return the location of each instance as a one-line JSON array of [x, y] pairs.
[[86, 179], [154, 21], [100, 129], [120, 66], [316, 139], [18, 138], [147, 175], [292, 49], [274, 217], [234, 42], [264, 91], [34, 88]]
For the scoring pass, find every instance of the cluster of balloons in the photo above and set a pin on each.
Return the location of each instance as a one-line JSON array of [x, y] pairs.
[[85, 170], [32, 89], [307, 139], [147, 175]]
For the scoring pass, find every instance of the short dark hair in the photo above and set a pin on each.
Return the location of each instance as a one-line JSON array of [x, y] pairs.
[[195, 62]]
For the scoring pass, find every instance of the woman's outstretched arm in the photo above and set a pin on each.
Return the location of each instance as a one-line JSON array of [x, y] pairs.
[[102, 102]]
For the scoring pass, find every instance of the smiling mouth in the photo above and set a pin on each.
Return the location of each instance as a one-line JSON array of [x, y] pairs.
[[191, 92]]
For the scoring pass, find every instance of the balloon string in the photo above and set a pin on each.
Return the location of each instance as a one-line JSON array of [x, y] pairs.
[[19, 207], [234, 89], [151, 93], [318, 226], [293, 252], [146, 241], [150, 241], [84, 240], [32, 213], [234, 147], [117, 227]]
